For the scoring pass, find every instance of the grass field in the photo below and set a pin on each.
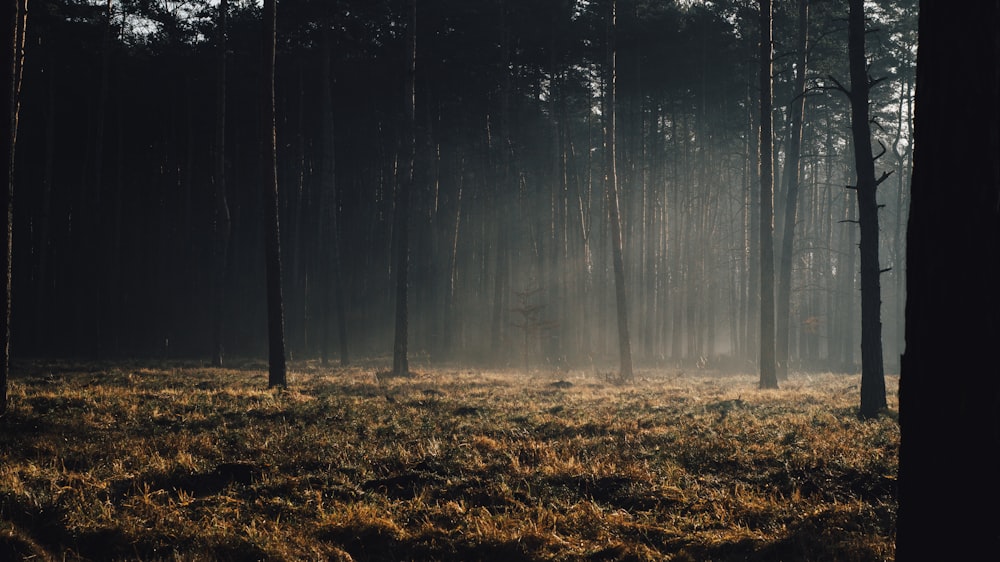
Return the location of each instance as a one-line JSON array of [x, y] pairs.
[[184, 462]]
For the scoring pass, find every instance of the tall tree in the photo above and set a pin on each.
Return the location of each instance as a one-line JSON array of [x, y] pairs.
[[872, 374], [401, 229], [949, 401], [222, 222], [768, 370], [329, 233], [614, 216], [13, 22], [792, 174], [277, 375]]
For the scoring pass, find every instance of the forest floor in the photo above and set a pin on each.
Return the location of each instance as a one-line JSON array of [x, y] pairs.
[[143, 461]]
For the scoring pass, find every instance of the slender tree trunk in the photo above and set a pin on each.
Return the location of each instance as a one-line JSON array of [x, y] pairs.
[[792, 175], [505, 188], [768, 374], [43, 286], [624, 343], [872, 375], [333, 278], [752, 176], [949, 396], [903, 173], [277, 375], [9, 81], [400, 361], [223, 222], [96, 227]]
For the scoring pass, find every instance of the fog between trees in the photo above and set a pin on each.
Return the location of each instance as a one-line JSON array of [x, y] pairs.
[[510, 259]]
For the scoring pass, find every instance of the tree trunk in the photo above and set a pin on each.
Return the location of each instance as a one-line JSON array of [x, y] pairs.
[[269, 183], [949, 402], [400, 361], [872, 376], [332, 277], [792, 175], [9, 85], [223, 222], [624, 344], [43, 294], [768, 373], [751, 340]]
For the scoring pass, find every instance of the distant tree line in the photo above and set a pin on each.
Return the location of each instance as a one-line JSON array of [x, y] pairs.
[[122, 172]]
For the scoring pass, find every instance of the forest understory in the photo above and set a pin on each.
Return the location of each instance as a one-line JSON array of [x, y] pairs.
[[180, 461]]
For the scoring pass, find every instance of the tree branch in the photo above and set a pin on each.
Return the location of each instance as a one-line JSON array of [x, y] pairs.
[[880, 154], [837, 86], [885, 176]]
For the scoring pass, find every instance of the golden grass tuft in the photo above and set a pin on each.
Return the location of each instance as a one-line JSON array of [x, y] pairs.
[[182, 462]]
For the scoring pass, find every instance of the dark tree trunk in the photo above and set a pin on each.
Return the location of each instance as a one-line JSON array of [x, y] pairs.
[[400, 361], [872, 375], [269, 183], [97, 227], [330, 224], [14, 22], [624, 343], [10, 51], [222, 224], [768, 372], [43, 307], [949, 410], [792, 175], [505, 185], [751, 296]]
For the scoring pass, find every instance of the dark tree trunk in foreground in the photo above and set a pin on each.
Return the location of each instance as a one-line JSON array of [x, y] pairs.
[[949, 402], [400, 361], [792, 174], [222, 222], [269, 179], [768, 371], [872, 373], [624, 343]]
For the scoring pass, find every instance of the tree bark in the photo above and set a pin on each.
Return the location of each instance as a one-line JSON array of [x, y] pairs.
[[9, 124], [949, 401], [872, 374], [330, 223], [400, 361], [768, 372], [14, 22], [792, 176], [621, 302], [222, 224], [277, 375]]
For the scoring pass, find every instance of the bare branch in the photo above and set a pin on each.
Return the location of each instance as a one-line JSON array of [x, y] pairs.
[[885, 176], [849, 221], [838, 86], [872, 82], [880, 154]]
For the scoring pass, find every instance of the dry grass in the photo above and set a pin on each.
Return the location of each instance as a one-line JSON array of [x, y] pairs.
[[149, 462]]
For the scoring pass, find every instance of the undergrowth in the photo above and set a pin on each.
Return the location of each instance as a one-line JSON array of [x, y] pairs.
[[139, 461]]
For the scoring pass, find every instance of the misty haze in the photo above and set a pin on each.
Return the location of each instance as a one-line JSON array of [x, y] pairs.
[[500, 280]]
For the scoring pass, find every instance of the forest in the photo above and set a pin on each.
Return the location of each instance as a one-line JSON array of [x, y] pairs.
[[510, 255], [503, 280]]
